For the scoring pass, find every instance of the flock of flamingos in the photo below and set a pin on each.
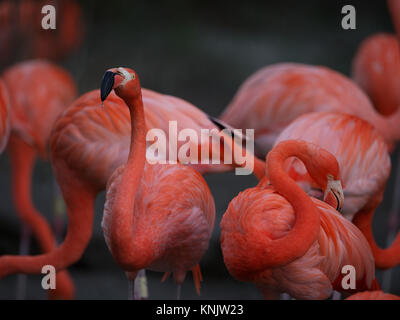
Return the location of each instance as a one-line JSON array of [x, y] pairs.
[[323, 144]]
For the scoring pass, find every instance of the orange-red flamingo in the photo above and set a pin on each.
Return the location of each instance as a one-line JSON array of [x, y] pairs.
[[373, 295], [89, 141], [275, 95], [364, 167], [4, 116], [376, 68], [39, 91], [157, 217], [21, 28], [279, 238]]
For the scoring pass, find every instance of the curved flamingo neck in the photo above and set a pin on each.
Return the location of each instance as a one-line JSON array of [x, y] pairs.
[[306, 228], [384, 258], [125, 248]]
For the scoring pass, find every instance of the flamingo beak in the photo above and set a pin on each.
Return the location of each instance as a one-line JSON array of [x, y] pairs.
[[107, 84], [334, 194]]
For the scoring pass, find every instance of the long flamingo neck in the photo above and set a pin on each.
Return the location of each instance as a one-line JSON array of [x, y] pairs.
[[384, 258], [79, 198], [125, 248], [306, 228], [22, 163]]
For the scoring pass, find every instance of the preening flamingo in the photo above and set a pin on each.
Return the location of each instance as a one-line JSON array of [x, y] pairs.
[[279, 238], [275, 95], [357, 146], [376, 68], [373, 295], [39, 91], [364, 168], [88, 143], [157, 217]]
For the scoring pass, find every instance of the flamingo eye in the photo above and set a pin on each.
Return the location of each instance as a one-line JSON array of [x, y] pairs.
[[133, 76]]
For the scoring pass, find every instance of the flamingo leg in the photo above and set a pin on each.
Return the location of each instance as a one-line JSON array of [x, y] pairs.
[[58, 212], [285, 296], [178, 292], [393, 224], [138, 286], [23, 250], [336, 295]]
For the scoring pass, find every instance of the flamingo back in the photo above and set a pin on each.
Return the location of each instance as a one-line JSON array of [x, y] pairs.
[[39, 91], [275, 95], [358, 147], [94, 138]]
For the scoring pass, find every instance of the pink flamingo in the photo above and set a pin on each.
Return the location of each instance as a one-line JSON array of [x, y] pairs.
[[39, 91], [276, 95], [89, 141], [279, 238]]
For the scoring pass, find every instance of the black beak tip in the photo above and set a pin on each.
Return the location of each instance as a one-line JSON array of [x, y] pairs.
[[107, 84]]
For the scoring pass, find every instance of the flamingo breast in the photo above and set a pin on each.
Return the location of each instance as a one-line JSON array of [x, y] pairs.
[[39, 91], [174, 211]]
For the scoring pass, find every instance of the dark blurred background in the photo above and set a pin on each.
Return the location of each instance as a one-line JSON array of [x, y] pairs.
[[200, 51]]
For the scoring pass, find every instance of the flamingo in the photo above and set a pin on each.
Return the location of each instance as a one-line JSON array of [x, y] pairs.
[[275, 95], [150, 221], [89, 141], [39, 91], [279, 238], [21, 27], [364, 166], [373, 295], [376, 68]]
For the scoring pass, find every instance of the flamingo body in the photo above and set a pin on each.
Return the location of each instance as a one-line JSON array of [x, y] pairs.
[[256, 213], [376, 68], [39, 91], [358, 147], [275, 95], [173, 218], [373, 295], [21, 27]]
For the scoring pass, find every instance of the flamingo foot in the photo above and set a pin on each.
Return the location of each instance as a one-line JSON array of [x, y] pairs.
[[393, 224]]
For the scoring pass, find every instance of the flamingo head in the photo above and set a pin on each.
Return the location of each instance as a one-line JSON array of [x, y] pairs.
[[326, 174], [123, 80]]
